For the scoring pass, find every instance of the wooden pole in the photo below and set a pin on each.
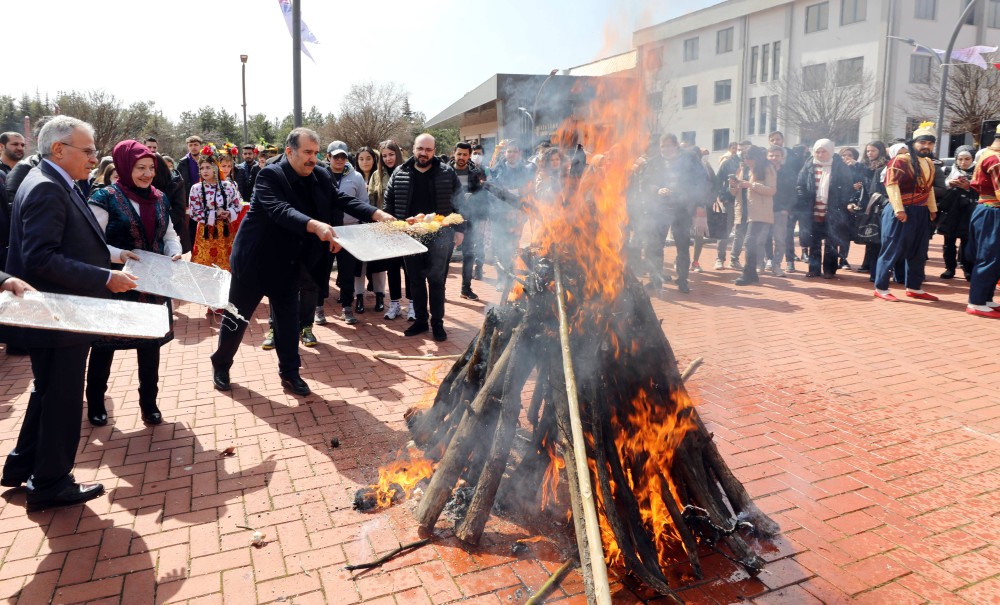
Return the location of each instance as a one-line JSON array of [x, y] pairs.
[[599, 570]]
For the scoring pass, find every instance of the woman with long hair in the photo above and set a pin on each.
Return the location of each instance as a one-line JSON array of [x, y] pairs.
[[875, 160], [134, 215], [755, 185], [391, 157], [367, 166], [214, 204]]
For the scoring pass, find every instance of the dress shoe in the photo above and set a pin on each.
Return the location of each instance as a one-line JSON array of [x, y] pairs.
[[150, 413], [417, 327], [97, 417], [921, 295], [887, 296], [17, 480], [439, 334], [220, 378], [811, 274], [948, 274], [829, 275], [74, 493], [296, 385]]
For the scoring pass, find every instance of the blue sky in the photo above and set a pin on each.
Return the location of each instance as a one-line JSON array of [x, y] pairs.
[[185, 54]]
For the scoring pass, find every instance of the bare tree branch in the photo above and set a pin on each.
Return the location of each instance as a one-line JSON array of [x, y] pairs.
[[825, 103], [971, 98]]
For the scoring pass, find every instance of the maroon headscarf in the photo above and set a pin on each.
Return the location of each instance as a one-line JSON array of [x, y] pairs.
[[125, 156]]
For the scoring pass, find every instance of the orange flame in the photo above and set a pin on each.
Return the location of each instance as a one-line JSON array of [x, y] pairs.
[[398, 479], [550, 482], [535, 539]]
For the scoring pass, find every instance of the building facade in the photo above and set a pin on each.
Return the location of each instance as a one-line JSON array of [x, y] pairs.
[[726, 73]]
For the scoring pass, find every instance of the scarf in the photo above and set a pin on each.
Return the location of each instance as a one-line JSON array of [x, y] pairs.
[[125, 156], [823, 186]]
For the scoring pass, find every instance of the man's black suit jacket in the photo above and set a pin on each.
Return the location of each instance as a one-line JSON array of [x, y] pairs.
[[56, 245], [272, 239]]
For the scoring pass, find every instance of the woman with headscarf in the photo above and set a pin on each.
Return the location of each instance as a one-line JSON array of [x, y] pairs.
[[214, 204], [135, 215], [956, 209], [824, 188]]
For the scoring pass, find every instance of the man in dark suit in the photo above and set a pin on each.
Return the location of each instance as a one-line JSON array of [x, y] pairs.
[[187, 167], [292, 199], [241, 173], [57, 245]]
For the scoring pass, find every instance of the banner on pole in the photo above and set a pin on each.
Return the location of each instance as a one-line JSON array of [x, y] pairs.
[[306, 33]]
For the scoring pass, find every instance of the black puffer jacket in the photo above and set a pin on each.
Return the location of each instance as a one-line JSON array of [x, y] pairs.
[[841, 190], [472, 203], [447, 188]]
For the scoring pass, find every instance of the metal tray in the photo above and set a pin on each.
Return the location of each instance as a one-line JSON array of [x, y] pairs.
[[180, 279], [374, 241], [69, 313]]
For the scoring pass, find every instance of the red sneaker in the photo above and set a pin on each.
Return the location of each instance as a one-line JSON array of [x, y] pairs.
[[990, 314], [921, 295], [886, 296]]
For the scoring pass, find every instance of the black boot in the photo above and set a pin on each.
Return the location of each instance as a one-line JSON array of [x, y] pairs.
[[359, 303], [379, 302], [147, 403]]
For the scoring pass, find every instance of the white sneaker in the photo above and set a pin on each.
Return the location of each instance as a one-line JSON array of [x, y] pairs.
[[718, 264], [319, 317], [411, 315], [767, 265], [394, 310]]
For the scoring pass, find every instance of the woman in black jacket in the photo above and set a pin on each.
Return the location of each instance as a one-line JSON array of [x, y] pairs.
[[825, 186], [955, 210]]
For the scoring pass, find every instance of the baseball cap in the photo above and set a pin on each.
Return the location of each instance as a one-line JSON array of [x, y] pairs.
[[336, 148]]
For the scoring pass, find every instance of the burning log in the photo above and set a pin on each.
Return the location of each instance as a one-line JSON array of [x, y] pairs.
[[644, 448]]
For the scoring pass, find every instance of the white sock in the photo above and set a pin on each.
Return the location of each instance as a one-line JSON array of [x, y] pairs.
[[984, 308], [881, 291], [916, 291], [992, 304]]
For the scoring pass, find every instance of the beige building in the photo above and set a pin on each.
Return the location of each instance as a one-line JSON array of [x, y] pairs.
[[712, 72]]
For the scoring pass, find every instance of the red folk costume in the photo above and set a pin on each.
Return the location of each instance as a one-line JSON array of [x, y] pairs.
[[213, 241], [903, 189], [986, 177]]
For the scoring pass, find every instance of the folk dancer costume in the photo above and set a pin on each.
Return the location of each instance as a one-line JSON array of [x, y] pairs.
[[910, 191], [984, 234], [213, 240], [132, 218]]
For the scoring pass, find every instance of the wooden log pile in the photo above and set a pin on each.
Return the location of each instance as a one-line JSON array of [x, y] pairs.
[[661, 487]]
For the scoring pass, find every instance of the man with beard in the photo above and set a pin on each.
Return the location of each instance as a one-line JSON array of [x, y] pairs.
[[425, 185], [241, 173], [473, 209], [13, 150], [674, 185], [909, 182], [273, 248], [984, 234]]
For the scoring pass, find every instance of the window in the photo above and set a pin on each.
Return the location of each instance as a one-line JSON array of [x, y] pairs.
[[971, 19], [688, 137], [925, 9], [850, 71], [853, 11], [774, 112], [754, 52], [753, 114], [691, 49], [655, 100], [689, 96], [720, 139], [817, 17], [765, 58], [723, 91], [993, 14], [763, 115], [724, 41], [777, 60], [814, 76], [849, 133], [920, 69]]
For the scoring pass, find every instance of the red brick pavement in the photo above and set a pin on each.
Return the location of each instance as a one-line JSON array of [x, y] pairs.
[[867, 429]]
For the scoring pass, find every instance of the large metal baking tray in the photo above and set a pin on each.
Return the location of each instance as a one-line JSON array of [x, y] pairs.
[[375, 241], [69, 313], [180, 279]]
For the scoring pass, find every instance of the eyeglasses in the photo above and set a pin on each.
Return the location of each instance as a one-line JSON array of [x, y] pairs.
[[90, 152]]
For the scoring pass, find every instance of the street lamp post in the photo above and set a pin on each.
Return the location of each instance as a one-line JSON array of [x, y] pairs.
[[944, 62], [243, 59]]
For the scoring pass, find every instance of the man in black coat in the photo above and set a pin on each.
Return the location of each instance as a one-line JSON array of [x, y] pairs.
[[241, 173], [57, 245], [292, 198], [426, 185], [473, 206]]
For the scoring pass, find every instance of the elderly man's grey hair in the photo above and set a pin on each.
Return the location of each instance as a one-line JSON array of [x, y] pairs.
[[60, 130], [294, 136]]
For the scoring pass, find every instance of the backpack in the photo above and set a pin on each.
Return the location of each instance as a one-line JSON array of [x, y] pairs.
[[868, 229]]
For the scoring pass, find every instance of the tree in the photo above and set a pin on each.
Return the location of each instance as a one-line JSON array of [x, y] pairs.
[[827, 105], [970, 99], [112, 121], [371, 113]]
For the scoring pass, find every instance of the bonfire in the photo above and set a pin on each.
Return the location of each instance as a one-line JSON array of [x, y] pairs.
[[647, 484]]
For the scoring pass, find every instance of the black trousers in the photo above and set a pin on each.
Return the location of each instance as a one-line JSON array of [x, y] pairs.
[[427, 273], [308, 299], [245, 295], [50, 434], [824, 248], [346, 267], [394, 268], [99, 370], [472, 254], [954, 253]]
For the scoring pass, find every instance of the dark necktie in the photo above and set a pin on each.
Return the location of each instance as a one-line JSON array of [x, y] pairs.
[[76, 188]]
